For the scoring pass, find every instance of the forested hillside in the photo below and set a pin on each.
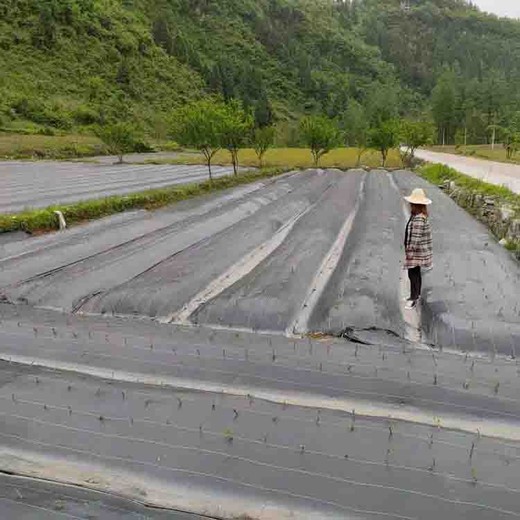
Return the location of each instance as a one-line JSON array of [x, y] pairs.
[[68, 64]]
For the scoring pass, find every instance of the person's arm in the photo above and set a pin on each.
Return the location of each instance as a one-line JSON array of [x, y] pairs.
[[427, 234]]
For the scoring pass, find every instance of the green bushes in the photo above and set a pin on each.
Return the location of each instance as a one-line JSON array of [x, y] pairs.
[[119, 139], [35, 142], [321, 135], [38, 111], [84, 115]]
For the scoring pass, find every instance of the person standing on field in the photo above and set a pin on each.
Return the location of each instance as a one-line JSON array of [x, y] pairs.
[[418, 244]]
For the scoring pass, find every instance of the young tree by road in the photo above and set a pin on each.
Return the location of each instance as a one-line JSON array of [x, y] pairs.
[[119, 138], [200, 125], [384, 137], [510, 141], [413, 135], [237, 127], [320, 134], [263, 139]]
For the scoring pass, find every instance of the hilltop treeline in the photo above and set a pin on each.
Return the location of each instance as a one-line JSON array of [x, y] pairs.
[[68, 64]]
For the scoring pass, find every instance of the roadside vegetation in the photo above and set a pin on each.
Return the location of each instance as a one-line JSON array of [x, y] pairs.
[[496, 206], [438, 174], [480, 151]]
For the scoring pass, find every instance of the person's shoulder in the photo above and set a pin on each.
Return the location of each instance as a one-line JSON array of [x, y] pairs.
[[420, 217]]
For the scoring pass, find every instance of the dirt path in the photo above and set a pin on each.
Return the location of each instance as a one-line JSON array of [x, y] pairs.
[[501, 174]]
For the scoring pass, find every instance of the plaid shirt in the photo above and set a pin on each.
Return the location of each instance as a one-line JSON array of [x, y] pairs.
[[418, 243]]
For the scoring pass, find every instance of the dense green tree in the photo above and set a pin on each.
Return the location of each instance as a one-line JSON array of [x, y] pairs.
[[384, 137], [263, 139], [119, 138], [356, 128], [444, 107], [236, 129], [382, 103], [263, 111], [510, 135], [510, 141], [413, 135], [200, 125], [320, 134]]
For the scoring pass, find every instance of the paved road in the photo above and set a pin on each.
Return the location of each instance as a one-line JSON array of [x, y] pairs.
[[41, 184], [502, 174], [151, 357]]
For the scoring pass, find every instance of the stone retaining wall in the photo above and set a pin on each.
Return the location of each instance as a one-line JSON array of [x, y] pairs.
[[501, 218]]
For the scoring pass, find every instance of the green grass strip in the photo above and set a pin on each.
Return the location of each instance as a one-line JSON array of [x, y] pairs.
[[439, 174], [44, 220]]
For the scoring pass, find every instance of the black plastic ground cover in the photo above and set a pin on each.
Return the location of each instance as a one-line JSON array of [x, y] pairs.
[[472, 295]]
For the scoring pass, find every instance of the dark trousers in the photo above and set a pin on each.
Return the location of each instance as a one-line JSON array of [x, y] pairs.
[[415, 282]]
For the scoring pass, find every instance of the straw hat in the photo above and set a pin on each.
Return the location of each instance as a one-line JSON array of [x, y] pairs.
[[418, 197]]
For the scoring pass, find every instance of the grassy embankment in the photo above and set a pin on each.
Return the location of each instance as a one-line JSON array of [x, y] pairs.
[[35, 146], [468, 189], [479, 151]]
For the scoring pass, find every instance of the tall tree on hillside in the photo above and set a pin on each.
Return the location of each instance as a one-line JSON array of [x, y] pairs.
[[320, 134], [263, 111], [444, 107], [382, 103], [47, 30], [492, 96], [510, 135], [199, 125]]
